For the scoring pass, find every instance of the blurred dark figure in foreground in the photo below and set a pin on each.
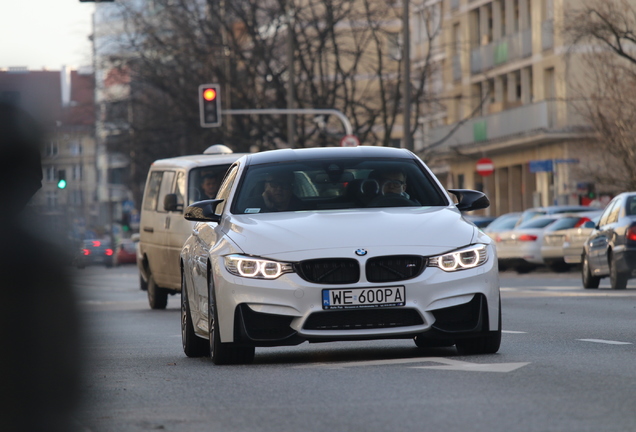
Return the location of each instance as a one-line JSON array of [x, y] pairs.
[[39, 329]]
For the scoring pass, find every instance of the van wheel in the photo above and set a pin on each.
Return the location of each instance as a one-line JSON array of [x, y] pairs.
[[143, 285], [157, 296]]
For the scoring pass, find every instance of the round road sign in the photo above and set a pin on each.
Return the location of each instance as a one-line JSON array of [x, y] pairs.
[[349, 141], [485, 167]]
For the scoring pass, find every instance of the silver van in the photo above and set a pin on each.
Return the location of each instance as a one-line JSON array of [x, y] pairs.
[[172, 185]]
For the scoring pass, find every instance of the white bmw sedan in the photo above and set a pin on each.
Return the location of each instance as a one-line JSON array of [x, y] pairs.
[[336, 244]]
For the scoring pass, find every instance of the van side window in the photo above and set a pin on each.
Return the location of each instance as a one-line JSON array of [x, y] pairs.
[[152, 191], [165, 188], [226, 187]]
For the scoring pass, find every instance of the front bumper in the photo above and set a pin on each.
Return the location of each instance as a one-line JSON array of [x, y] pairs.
[[288, 310]]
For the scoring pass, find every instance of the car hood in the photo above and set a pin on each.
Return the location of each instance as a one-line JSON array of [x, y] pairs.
[[396, 230]]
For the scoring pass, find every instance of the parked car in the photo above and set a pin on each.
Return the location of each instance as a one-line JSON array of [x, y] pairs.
[[171, 185], [575, 238], [520, 248], [610, 250], [552, 249], [370, 246], [505, 222], [480, 221], [125, 252], [95, 251], [550, 210]]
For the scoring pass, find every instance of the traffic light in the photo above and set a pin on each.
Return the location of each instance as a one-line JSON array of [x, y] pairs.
[[210, 105], [61, 179]]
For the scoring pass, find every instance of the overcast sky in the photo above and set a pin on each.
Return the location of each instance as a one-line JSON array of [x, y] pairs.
[[45, 33]]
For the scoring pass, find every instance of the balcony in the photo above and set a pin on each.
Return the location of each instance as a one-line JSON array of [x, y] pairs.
[[513, 47], [541, 117]]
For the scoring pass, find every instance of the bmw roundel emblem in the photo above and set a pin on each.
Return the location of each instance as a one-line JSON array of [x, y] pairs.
[[361, 252]]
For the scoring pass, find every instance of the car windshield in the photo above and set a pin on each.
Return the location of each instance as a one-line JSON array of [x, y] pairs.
[[336, 184]]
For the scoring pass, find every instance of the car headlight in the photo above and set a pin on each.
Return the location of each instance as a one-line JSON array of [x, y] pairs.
[[462, 259], [250, 267]]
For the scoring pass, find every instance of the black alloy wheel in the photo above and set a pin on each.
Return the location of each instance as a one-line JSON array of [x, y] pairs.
[[193, 346], [488, 344]]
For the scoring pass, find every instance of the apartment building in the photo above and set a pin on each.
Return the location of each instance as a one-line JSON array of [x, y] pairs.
[[506, 82], [62, 101]]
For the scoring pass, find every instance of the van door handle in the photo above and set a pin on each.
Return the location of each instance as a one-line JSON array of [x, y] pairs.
[[149, 229]]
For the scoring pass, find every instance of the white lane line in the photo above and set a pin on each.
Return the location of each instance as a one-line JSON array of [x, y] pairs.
[[609, 342], [513, 332]]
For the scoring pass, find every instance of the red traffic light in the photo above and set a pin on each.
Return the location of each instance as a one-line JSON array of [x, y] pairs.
[[209, 94]]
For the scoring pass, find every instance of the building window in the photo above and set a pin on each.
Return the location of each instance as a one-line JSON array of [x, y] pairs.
[[49, 174], [77, 172], [51, 149], [51, 199], [76, 197], [75, 148]]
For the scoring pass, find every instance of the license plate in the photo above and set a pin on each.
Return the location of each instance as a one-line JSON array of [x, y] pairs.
[[363, 298]]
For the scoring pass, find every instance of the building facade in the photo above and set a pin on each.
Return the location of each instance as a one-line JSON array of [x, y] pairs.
[[63, 102], [507, 82]]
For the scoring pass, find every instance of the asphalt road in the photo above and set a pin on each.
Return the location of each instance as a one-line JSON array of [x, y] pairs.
[[566, 364]]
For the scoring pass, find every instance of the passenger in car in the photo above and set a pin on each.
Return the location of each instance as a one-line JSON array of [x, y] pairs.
[[277, 195]]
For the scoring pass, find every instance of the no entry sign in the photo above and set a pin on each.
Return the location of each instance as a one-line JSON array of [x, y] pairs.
[[485, 167], [349, 141]]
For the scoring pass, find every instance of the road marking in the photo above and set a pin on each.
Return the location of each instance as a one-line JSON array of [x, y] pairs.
[[458, 365], [609, 342], [449, 364], [513, 332]]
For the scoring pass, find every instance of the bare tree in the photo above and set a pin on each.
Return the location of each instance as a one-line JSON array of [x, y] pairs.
[[343, 58], [603, 36]]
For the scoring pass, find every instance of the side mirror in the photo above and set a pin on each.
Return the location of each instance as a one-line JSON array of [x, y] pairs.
[[170, 203], [203, 211], [468, 200], [589, 224], [135, 237]]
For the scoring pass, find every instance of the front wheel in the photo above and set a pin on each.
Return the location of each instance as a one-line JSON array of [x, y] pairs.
[[193, 346], [223, 353], [157, 296], [589, 281], [488, 344], [618, 280]]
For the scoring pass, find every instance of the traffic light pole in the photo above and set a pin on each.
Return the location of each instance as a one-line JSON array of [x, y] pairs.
[[312, 111]]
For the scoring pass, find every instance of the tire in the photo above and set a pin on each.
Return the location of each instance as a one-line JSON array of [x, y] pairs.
[[617, 280], [525, 268], [488, 344], [223, 353], [193, 346], [143, 285], [157, 296], [589, 281]]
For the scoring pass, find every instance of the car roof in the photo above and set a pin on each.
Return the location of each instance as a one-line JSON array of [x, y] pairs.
[[193, 161], [290, 155]]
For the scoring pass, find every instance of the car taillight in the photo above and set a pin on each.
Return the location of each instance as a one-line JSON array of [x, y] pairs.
[[108, 252], [86, 252], [96, 243], [527, 237], [582, 221], [631, 233]]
